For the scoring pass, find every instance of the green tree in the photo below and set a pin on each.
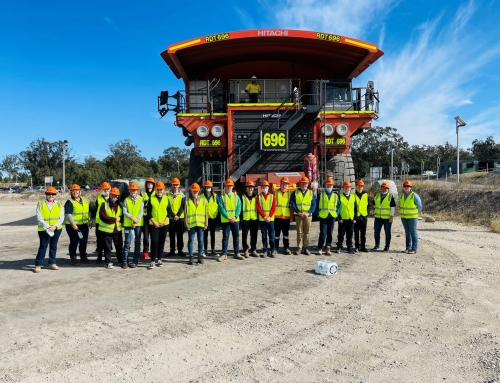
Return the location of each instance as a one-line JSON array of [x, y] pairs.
[[10, 165], [485, 150], [174, 161], [126, 161]]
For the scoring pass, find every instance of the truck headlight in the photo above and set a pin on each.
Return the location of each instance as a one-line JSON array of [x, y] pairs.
[[217, 131], [327, 129], [342, 129], [202, 131]]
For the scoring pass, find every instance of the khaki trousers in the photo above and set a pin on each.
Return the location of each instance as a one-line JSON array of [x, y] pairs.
[[303, 226]]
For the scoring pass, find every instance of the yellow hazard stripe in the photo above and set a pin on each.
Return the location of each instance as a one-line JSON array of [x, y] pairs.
[[183, 45], [263, 104], [348, 112], [361, 44], [200, 114]]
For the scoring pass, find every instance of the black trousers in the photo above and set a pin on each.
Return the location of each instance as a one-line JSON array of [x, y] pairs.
[[75, 242], [109, 239], [212, 224], [345, 228], [99, 235], [158, 238], [360, 232], [251, 226], [281, 225], [176, 229], [146, 234]]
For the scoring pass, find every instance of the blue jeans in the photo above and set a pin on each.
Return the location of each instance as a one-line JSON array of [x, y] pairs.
[[267, 228], [235, 230], [326, 226], [45, 240], [137, 244], [377, 228], [198, 230], [410, 226]]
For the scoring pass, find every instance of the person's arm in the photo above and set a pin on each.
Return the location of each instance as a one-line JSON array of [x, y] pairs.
[[104, 217], [141, 211], [293, 204], [125, 211], [60, 221], [238, 206], [418, 202], [392, 205], [259, 209], [355, 209], [273, 205], [186, 225], [39, 216], [313, 205], [222, 208], [68, 213], [339, 205], [183, 204]]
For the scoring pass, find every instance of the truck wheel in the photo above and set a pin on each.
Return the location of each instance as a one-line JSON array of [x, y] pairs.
[[195, 170], [342, 169]]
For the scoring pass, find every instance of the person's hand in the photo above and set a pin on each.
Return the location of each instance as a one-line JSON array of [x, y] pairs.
[[135, 220], [353, 221], [155, 224], [90, 225], [205, 227], [73, 225], [268, 219], [133, 226], [52, 228], [341, 221], [391, 219], [117, 219], [176, 218]]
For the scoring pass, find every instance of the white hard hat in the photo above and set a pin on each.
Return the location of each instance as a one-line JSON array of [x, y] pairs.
[[254, 76]]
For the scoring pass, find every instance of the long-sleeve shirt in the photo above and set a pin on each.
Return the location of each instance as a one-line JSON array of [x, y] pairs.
[[150, 207], [196, 202], [45, 224], [106, 218], [222, 208], [392, 204], [127, 214], [328, 195], [417, 200], [293, 204], [273, 206], [68, 211], [181, 208], [339, 218]]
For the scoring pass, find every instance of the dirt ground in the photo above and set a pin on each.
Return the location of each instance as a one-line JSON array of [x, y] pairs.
[[385, 317]]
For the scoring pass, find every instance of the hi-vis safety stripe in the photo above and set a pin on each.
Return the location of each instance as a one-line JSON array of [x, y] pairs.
[[364, 45], [183, 45]]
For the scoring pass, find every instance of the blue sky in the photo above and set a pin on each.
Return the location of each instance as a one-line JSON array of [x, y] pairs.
[[89, 72]]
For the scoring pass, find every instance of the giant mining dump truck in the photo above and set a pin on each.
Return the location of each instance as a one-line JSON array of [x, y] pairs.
[[297, 116]]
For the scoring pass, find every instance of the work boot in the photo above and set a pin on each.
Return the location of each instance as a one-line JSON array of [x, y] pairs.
[[286, 245], [223, 257], [287, 251], [182, 254], [245, 254], [269, 254], [239, 256], [37, 269], [84, 259], [99, 259], [364, 250], [274, 253], [170, 254], [53, 266], [376, 248], [190, 261], [276, 244], [200, 260], [125, 265], [74, 261], [298, 251], [254, 254], [263, 254], [320, 251], [328, 251], [306, 251], [386, 248], [350, 250]]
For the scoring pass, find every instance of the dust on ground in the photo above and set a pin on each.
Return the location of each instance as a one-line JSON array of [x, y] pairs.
[[385, 317]]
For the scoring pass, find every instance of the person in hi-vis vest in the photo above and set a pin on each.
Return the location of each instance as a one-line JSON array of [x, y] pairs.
[[158, 214], [78, 222], [50, 217], [347, 217], [230, 208], [177, 226], [328, 209], [362, 221], [249, 221], [196, 219], [213, 211], [282, 216], [102, 198], [384, 207], [266, 207], [110, 226], [133, 222], [149, 188], [303, 204], [410, 207]]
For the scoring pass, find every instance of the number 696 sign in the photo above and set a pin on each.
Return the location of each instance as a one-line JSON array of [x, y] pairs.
[[273, 140]]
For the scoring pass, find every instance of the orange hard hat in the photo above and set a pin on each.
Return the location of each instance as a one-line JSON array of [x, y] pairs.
[[51, 190], [75, 187], [264, 183], [285, 179], [304, 179], [175, 181], [347, 184], [151, 179], [407, 183], [250, 183], [105, 185], [160, 185], [385, 184], [133, 186], [229, 182], [208, 184], [115, 191], [195, 187], [360, 183], [329, 181]]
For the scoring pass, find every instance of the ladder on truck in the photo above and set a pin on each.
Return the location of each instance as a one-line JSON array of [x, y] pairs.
[[214, 171]]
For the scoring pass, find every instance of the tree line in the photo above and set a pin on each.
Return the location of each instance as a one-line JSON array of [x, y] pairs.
[[373, 149], [43, 158]]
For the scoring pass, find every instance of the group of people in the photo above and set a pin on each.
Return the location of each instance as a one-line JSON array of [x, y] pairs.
[[154, 213]]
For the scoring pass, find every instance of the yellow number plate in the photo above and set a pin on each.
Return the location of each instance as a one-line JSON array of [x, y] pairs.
[[274, 140], [210, 143], [336, 141]]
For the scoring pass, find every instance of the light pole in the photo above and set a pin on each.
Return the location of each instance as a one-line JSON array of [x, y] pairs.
[[392, 163], [63, 145], [460, 123]]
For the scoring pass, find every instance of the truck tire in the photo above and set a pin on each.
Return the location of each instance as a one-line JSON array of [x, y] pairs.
[[195, 170], [342, 169]]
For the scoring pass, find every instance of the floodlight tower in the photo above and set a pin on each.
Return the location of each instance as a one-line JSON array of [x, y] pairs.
[[460, 123]]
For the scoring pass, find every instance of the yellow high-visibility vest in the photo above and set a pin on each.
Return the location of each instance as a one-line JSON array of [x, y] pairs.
[[328, 205], [159, 208], [303, 202], [80, 211], [249, 208], [133, 209], [347, 207], [230, 204], [100, 201], [176, 203], [196, 214], [407, 207], [383, 208], [145, 198], [266, 206], [362, 204], [51, 216], [110, 227], [282, 204], [213, 206]]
